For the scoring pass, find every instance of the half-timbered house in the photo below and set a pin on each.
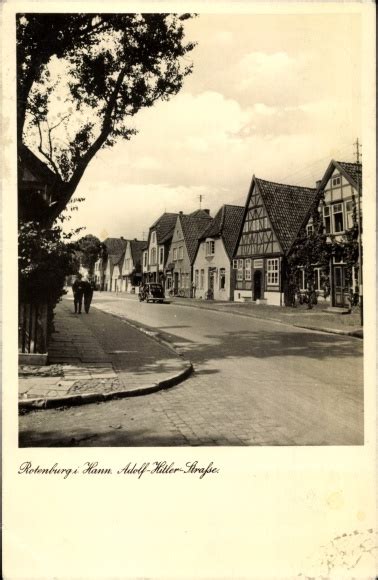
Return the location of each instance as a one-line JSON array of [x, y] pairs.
[[273, 215], [339, 202]]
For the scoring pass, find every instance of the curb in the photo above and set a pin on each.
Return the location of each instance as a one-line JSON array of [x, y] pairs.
[[352, 333], [86, 398]]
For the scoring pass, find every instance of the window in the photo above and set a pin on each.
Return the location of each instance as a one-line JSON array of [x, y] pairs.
[[222, 278], [161, 255], [196, 278], [234, 264], [349, 214], [174, 254], [239, 275], [310, 229], [336, 181], [317, 278], [181, 253], [202, 279], [210, 248], [338, 217], [327, 219], [248, 272], [145, 259], [153, 237], [272, 271], [153, 256]]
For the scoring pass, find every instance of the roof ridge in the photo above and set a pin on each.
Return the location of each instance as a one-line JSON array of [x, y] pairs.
[[259, 179]]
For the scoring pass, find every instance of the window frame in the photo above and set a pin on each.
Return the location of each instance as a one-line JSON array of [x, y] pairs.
[[273, 271]]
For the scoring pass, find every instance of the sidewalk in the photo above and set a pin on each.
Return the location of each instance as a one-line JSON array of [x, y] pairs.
[[97, 357], [301, 317]]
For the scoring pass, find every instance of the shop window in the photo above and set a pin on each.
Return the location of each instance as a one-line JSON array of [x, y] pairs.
[[338, 218], [222, 278], [272, 272]]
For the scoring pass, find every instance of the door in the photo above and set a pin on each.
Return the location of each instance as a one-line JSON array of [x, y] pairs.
[[257, 278], [340, 289], [176, 282]]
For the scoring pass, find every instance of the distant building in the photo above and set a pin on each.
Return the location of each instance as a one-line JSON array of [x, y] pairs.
[[158, 244], [183, 249], [108, 268], [273, 216], [212, 264], [132, 265]]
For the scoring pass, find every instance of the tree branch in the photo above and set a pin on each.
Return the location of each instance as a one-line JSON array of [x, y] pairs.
[[41, 150]]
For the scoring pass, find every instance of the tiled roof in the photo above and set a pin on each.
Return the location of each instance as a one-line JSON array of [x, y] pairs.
[[137, 247], [164, 227], [36, 166], [193, 226], [287, 206], [114, 246], [354, 170], [226, 224]]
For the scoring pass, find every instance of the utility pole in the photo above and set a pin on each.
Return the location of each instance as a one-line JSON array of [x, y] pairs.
[[360, 260]]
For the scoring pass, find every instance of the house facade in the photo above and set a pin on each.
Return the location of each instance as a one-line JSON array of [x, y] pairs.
[[132, 265], [182, 251], [108, 268], [212, 273], [158, 244], [273, 216], [339, 202]]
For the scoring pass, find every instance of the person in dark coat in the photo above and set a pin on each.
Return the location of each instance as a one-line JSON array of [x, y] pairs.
[[78, 291], [88, 286]]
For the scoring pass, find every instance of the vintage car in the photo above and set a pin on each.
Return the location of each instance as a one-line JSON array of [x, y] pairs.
[[151, 293]]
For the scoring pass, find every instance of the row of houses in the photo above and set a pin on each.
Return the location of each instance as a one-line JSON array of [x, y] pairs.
[[243, 252]]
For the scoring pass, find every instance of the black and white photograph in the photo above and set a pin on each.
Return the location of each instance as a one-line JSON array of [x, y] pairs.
[[188, 290], [190, 210]]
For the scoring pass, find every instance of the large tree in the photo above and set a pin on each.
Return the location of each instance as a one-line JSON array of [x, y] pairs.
[[89, 248], [82, 77]]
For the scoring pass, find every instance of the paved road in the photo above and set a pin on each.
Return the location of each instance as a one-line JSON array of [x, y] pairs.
[[256, 383]]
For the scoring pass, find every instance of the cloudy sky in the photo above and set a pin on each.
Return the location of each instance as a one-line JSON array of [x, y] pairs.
[[277, 96]]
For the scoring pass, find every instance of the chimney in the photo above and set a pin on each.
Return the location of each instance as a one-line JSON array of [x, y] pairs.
[[318, 183], [206, 211], [180, 212], [122, 238]]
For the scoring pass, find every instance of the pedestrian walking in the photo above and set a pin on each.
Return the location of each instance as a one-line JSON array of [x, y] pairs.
[[88, 288], [78, 291]]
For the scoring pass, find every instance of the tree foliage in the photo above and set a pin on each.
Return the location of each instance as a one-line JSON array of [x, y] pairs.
[[45, 260], [83, 77], [89, 248]]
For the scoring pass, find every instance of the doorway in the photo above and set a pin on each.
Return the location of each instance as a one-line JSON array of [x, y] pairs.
[[257, 285]]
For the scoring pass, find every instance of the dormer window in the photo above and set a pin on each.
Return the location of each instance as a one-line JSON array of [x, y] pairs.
[[210, 248]]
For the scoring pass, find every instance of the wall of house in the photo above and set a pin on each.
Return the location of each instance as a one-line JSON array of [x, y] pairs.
[[204, 262], [178, 255], [270, 286]]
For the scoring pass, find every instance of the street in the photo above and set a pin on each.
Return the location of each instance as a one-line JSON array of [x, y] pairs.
[[256, 382]]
